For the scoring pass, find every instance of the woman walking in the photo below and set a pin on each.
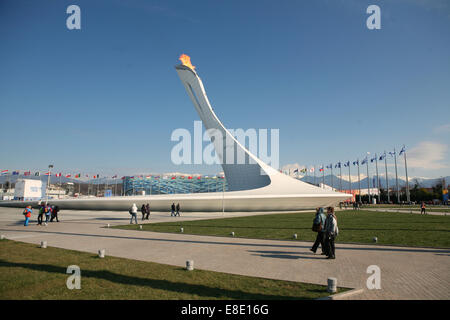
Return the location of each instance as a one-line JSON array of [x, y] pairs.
[[331, 232], [133, 212]]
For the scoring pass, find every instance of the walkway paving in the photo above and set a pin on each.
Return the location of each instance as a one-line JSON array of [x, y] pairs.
[[406, 273], [414, 211]]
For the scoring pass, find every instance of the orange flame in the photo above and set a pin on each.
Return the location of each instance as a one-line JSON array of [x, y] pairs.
[[186, 60]]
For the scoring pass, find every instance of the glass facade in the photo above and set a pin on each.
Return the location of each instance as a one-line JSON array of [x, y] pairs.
[[171, 185]]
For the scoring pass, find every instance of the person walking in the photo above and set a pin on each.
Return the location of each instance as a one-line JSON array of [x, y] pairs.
[[48, 212], [133, 212], [318, 226], [331, 232], [55, 210], [178, 210], [422, 208], [27, 213], [172, 214], [147, 210], [41, 213], [143, 211]]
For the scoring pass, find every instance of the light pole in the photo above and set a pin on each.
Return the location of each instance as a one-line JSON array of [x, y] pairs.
[[50, 166]]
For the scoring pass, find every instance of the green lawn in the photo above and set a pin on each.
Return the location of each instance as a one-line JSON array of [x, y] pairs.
[[30, 272], [355, 227]]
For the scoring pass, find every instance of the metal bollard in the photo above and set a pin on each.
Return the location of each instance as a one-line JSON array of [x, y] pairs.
[[295, 236], [101, 253], [332, 285], [140, 227], [190, 265], [232, 233], [181, 230], [2, 237], [108, 225], [44, 244], [375, 239]]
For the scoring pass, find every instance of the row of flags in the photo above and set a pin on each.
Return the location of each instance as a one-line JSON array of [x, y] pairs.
[[97, 176], [355, 163], [38, 174]]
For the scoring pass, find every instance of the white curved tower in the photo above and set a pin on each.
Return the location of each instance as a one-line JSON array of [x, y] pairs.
[[254, 177]]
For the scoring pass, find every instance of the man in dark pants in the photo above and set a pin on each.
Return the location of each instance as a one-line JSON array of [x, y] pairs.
[[318, 226], [147, 210], [41, 213], [178, 210], [143, 211], [172, 213], [55, 214]]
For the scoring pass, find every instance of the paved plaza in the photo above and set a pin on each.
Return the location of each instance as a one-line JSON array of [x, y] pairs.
[[406, 272]]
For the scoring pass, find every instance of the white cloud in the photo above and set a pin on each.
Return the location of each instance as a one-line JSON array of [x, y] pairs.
[[428, 155]]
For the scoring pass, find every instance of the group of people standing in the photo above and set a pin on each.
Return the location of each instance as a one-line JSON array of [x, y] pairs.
[[327, 231], [49, 211]]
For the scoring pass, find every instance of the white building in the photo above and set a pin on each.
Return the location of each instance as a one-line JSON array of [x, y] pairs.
[[28, 190]]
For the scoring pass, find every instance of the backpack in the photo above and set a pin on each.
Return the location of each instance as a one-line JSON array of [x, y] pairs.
[[317, 225]]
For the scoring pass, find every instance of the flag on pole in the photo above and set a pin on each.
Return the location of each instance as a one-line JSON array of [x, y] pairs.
[[78, 175], [4, 172], [338, 165], [37, 174], [364, 161], [15, 173], [312, 169], [26, 173], [402, 151], [296, 170], [356, 162], [68, 175], [58, 175], [373, 159], [382, 156], [321, 169], [47, 173], [392, 153], [347, 164], [330, 166]]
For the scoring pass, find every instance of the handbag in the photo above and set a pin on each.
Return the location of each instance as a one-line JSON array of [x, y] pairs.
[[317, 227]]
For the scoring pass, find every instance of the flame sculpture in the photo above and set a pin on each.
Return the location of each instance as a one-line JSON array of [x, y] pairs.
[[186, 60]]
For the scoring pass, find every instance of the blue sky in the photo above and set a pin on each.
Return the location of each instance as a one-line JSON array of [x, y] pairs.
[[105, 99]]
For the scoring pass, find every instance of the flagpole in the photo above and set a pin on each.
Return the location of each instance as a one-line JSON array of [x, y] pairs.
[[408, 200], [368, 177], [378, 179], [50, 166], [359, 181], [349, 178], [314, 168], [387, 178], [332, 187], [340, 177], [396, 177], [323, 176]]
